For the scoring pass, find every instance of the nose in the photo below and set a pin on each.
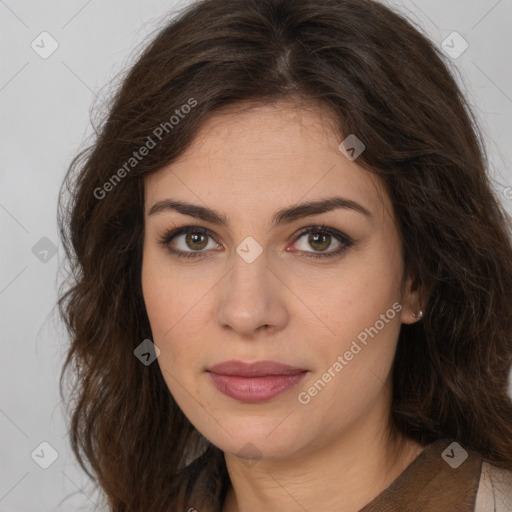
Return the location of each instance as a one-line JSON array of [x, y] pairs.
[[252, 299]]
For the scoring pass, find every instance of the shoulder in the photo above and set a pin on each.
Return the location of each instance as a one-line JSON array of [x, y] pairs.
[[495, 489]]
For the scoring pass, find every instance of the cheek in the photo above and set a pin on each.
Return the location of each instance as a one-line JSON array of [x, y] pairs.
[[354, 365], [166, 298], [176, 316], [157, 298], [163, 308], [362, 312], [355, 301]]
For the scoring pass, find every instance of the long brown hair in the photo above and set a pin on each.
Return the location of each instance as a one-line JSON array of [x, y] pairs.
[[382, 80]]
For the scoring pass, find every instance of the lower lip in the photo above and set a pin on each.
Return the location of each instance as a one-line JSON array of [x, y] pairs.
[[255, 389]]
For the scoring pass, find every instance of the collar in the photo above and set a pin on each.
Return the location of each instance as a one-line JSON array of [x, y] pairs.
[[445, 476]]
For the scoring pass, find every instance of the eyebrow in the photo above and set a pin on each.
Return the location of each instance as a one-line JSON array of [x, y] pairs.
[[284, 216]]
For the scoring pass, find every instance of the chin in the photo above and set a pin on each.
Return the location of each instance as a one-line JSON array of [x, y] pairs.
[[256, 442]]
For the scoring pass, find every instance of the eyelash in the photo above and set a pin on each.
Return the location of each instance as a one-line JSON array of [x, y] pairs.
[[344, 239]]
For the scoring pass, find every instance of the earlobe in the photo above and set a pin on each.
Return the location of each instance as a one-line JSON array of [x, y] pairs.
[[418, 315], [413, 317], [414, 296]]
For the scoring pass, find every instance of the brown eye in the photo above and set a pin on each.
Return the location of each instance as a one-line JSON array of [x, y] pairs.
[[320, 239], [188, 242], [319, 242], [192, 242], [196, 241]]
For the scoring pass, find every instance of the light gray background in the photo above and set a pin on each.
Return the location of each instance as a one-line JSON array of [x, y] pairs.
[[45, 105]]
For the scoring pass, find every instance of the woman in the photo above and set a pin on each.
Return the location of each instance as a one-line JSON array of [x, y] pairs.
[[290, 273]]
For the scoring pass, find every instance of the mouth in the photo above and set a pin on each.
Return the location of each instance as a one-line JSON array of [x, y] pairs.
[[254, 382]]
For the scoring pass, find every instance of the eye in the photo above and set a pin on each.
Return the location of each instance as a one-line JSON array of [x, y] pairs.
[[189, 241], [193, 241], [320, 238]]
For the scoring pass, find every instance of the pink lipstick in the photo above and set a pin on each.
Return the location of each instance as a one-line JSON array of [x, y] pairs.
[[254, 382]]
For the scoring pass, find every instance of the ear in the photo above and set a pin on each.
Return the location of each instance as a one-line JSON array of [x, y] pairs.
[[415, 298]]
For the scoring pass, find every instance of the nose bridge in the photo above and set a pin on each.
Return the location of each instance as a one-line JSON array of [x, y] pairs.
[[251, 296]]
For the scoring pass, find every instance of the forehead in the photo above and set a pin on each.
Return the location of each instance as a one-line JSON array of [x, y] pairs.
[[265, 156]]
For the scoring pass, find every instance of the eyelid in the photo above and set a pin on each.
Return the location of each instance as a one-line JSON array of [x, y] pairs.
[[342, 238], [170, 235], [322, 228]]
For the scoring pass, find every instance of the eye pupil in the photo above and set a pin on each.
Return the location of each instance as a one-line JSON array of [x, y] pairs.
[[192, 238], [313, 239]]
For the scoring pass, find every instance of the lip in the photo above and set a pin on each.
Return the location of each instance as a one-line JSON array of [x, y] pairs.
[[256, 369], [254, 382]]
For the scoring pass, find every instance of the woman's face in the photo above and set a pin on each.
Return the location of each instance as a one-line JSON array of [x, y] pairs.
[[257, 288]]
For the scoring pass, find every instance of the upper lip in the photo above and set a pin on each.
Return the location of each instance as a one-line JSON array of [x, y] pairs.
[[256, 369]]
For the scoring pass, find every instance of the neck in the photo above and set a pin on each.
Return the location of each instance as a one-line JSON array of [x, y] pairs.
[[347, 474]]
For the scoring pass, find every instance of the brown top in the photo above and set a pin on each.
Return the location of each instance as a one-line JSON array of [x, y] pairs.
[[443, 477]]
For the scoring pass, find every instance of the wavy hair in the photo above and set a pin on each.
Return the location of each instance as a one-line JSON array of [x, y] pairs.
[[382, 80]]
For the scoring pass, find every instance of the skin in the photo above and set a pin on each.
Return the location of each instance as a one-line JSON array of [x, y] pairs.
[[283, 307]]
